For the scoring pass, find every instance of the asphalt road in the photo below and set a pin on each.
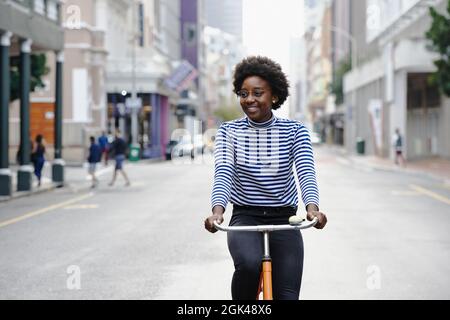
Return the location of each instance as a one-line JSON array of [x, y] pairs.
[[387, 237]]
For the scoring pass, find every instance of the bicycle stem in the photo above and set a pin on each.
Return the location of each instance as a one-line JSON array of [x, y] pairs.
[[266, 244]]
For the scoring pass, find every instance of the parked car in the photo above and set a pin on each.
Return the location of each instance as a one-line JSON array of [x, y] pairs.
[[169, 149], [199, 145], [179, 148]]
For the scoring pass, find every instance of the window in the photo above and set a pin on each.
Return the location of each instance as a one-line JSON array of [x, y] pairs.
[[141, 24], [52, 10], [190, 34], [157, 14], [421, 94], [39, 6]]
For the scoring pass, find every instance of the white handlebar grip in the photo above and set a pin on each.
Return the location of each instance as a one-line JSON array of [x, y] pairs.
[[294, 220]]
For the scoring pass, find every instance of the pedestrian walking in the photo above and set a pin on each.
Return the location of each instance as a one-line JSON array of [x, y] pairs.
[[254, 170], [104, 146], [19, 153], [119, 148], [397, 143], [95, 156], [38, 157]]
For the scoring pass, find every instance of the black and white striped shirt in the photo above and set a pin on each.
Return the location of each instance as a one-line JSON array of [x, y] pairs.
[[254, 164]]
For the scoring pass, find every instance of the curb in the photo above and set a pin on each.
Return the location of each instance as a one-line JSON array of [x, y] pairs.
[[37, 190], [67, 184], [418, 173], [352, 160]]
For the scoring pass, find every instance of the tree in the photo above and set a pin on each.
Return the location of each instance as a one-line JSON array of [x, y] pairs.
[[439, 34], [38, 70], [228, 109], [337, 86], [228, 112]]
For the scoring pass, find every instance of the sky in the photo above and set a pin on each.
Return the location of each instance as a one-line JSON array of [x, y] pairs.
[[268, 26]]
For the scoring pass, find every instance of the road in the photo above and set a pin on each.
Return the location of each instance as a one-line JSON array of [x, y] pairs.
[[387, 237]]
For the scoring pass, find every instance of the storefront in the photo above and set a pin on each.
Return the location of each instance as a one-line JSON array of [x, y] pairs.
[[153, 121]]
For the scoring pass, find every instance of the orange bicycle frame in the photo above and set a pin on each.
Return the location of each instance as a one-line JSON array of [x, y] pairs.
[[265, 280]]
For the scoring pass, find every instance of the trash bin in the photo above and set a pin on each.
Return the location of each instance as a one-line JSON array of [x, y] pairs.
[[134, 153], [360, 145]]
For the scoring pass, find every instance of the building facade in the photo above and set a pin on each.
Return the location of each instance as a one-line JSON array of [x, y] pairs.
[[191, 110], [84, 77], [342, 43], [298, 78], [138, 72], [319, 72], [388, 88], [225, 15], [223, 52]]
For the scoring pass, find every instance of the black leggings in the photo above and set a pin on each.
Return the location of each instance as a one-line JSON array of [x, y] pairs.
[[246, 248]]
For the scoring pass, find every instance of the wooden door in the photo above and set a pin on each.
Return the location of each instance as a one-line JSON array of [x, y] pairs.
[[42, 115]]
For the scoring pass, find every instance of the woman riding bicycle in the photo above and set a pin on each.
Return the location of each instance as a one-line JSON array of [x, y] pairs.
[[255, 159]]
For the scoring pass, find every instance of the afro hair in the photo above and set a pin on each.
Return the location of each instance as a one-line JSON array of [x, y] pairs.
[[266, 69]]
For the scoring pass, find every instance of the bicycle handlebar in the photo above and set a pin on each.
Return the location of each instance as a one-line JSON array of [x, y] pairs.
[[267, 228]]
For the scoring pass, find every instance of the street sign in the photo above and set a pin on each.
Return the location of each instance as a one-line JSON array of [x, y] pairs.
[[133, 103], [182, 76]]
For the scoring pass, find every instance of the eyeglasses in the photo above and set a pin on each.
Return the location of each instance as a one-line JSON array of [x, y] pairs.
[[244, 94]]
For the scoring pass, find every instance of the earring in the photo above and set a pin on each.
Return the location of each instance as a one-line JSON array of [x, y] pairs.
[[274, 101]]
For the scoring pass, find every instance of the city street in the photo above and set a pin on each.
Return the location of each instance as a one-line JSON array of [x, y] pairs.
[[387, 237]]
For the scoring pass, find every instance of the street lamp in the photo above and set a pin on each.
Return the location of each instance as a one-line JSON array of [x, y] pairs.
[[354, 65], [352, 40], [134, 103]]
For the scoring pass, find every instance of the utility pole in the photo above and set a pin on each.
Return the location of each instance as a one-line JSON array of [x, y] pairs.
[[134, 103], [133, 75]]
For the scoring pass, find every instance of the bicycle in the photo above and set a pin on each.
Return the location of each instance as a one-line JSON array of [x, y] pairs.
[[265, 280]]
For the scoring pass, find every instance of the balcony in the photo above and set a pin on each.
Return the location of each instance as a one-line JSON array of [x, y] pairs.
[[388, 18], [37, 20], [46, 8]]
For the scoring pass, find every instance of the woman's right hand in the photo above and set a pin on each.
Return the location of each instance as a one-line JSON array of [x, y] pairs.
[[216, 216], [209, 222]]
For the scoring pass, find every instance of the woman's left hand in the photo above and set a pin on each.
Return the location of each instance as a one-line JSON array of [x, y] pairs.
[[322, 218]]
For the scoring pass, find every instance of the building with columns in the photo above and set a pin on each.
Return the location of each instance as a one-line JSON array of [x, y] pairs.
[[19, 20]]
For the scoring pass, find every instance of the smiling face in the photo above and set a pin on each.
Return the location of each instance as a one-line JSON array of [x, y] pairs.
[[256, 99]]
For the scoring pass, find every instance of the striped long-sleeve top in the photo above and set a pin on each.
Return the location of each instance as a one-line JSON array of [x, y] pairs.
[[254, 164]]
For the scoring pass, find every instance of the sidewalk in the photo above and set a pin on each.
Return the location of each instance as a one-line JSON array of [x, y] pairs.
[[76, 178], [436, 167]]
